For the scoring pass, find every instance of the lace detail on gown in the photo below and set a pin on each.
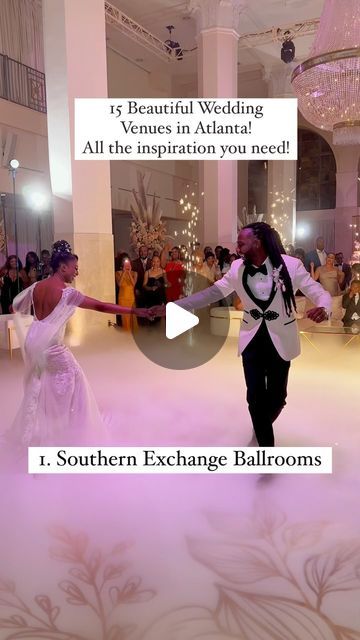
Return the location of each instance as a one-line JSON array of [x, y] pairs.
[[30, 405]]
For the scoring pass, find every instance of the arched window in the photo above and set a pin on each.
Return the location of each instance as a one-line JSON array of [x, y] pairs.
[[316, 173]]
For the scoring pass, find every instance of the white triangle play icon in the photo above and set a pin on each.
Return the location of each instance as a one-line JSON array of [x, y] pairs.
[[178, 320]]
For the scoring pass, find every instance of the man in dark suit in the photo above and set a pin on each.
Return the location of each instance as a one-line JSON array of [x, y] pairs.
[[317, 255], [345, 268], [140, 265], [351, 304]]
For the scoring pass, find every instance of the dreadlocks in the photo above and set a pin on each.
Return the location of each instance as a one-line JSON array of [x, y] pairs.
[[271, 243]]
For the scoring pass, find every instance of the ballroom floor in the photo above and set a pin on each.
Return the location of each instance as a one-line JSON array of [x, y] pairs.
[[183, 557]]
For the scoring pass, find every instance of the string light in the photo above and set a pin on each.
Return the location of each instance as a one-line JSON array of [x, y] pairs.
[[189, 207], [355, 258], [279, 218]]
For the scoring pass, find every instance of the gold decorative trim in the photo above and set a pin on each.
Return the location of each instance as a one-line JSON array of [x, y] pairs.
[[332, 56], [347, 123], [264, 584]]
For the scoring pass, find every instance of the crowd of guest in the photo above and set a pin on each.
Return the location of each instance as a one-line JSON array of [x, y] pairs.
[[148, 280], [335, 275], [327, 267], [14, 277], [155, 278]]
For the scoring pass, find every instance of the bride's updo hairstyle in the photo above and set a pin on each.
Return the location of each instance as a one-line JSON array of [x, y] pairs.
[[61, 254]]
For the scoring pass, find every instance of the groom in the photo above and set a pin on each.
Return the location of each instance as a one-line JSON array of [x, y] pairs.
[[265, 281]]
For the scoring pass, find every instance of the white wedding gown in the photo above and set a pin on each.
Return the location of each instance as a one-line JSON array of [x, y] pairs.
[[58, 407]]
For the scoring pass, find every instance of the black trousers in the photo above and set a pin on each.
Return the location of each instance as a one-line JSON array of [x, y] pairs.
[[266, 375]]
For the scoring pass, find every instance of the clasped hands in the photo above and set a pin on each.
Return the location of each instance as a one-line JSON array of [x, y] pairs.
[[152, 313]]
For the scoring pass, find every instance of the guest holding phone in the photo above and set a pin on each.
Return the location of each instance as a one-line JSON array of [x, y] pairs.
[[155, 283], [126, 281]]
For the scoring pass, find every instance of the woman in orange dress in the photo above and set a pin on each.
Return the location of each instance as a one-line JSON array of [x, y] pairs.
[[126, 280]]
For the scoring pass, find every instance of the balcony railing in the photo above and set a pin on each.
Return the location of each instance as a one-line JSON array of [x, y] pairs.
[[22, 84]]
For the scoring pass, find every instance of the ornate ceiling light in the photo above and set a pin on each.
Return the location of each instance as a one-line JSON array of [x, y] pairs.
[[327, 85]]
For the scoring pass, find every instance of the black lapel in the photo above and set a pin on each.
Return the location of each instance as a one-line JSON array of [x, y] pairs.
[[247, 288], [263, 304]]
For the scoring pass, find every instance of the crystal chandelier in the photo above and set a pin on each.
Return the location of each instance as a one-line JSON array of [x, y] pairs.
[[327, 85]]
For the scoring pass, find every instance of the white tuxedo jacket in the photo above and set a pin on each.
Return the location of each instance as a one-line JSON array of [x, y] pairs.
[[283, 329]]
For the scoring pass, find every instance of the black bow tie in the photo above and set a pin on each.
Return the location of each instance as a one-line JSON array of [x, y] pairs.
[[253, 270]]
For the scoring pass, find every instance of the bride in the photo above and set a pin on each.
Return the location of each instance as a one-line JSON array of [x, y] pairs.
[[58, 407]]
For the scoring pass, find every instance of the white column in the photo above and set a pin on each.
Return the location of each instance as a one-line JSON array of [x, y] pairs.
[[75, 66], [282, 173], [217, 24]]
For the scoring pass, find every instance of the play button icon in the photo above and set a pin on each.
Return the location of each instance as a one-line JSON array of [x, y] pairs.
[[178, 320], [183, 340]]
